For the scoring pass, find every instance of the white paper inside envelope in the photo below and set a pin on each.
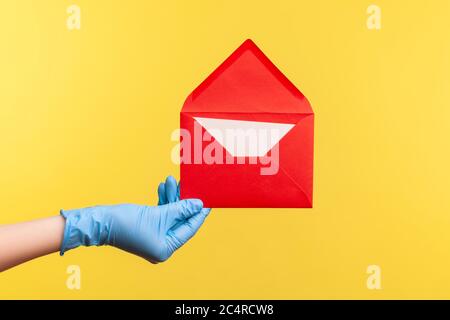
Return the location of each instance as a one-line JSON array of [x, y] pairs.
[[245, 138]]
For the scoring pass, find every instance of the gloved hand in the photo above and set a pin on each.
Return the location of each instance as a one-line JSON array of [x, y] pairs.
[[169, 191], [153, 233]]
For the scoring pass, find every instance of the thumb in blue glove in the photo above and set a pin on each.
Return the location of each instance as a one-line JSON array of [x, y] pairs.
[[153, 233]]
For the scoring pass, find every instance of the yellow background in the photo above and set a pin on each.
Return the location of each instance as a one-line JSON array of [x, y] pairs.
[[86, 118]]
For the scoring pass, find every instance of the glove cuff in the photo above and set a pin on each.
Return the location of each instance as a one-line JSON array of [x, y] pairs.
[[85, 227]]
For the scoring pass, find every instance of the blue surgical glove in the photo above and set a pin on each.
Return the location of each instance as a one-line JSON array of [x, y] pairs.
[[169, 191], [153, 233]]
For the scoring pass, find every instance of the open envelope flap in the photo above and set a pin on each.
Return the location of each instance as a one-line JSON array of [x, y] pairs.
[[247, 82]]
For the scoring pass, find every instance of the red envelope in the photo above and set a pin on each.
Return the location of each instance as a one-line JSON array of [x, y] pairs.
[[247, 136]]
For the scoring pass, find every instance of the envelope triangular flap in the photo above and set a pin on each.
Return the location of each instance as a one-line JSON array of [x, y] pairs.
[[247, 82]]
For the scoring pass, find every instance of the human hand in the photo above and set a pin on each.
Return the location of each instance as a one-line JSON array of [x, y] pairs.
[[153, 233], [169, 191]]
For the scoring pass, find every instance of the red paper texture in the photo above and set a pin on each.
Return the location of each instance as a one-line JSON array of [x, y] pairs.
[[247, 91]]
